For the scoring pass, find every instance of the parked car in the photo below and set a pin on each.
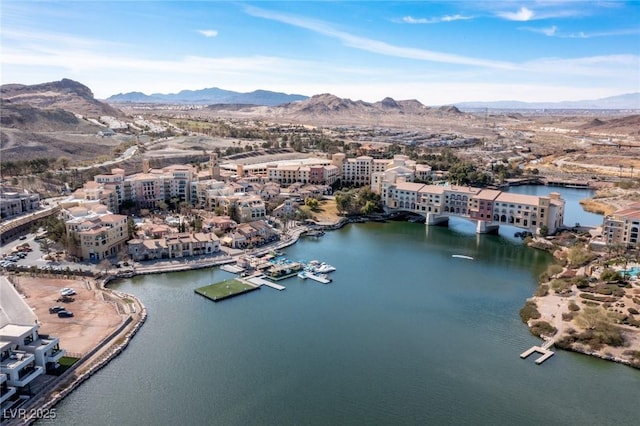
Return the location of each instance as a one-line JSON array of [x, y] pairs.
[[55, 309], [65, 299], [67, 292], [65, 314]]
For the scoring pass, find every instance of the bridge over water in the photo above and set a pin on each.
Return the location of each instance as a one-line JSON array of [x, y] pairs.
[[488, 208]]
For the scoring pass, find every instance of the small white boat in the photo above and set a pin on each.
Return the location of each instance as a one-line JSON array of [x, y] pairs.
[[302, 275], [461, 256], [324, 268]]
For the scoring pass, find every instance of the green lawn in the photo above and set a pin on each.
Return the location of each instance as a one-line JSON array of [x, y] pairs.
[[65, 363], [224, 289]]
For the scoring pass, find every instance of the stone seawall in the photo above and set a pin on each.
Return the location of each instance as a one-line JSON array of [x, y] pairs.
[[89, 364]]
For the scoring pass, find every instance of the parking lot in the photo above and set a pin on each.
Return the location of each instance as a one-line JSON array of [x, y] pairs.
[[11, 258], [93, 318]]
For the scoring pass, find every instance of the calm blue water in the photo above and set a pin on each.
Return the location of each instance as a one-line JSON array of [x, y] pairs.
[[405, 334]]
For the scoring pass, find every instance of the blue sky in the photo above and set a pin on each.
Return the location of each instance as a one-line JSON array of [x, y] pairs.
[[436, 52]]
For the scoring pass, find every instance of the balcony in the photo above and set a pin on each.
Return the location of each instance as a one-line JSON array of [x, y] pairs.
[[26, 376], [55, 355]]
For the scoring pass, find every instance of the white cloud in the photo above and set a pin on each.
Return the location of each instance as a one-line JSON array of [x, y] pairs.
[[445, 18], [549, 31], [553, 32], [524, 14], [376, 46], [208, 33]]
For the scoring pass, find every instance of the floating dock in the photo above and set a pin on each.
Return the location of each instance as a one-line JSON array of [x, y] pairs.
[[225, 289], [232, 268], [259, 281], [318, 278], [544, 350]]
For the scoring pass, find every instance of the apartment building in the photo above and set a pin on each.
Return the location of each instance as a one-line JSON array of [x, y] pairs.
[[623, 227], [101, 234], [148, 188]]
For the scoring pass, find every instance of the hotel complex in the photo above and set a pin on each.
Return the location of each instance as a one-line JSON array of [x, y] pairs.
[[240, 193]]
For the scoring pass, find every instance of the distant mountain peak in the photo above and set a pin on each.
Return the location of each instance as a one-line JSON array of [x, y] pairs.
[[209, 96], [627, 101]]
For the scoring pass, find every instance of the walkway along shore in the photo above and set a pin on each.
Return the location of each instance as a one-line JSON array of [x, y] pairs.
[[90, 363]]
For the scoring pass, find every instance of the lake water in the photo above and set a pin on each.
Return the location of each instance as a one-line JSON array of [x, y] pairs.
[[405, 334]]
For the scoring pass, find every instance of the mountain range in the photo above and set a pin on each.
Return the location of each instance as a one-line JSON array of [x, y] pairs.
[[630, 101], [209, 96], [214, 96]]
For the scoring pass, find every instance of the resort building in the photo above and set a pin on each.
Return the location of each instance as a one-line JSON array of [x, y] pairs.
[[261, 169], [94, 191], [174, 246], [623, 227], [252, 234], [288, 174], [16, 202], [100, 233], [488, 208]]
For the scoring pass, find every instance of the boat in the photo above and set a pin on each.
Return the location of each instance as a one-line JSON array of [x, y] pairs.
[[461, 256], [324, 268], [302, 275]]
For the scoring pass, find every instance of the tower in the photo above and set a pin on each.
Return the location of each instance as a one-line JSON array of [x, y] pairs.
[[214, 166]]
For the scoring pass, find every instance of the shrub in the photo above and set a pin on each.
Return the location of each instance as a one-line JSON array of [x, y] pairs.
[[596, 298], [554, 269], [573, 307], [580, 282], [543, 328], [542, 290], [560, 285], [633, 311], [567, 316], [610, 275], [529, 311]]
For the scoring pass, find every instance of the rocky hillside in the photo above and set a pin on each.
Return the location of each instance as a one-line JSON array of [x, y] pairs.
[[65, 94], [51, 120], [622, 125], [328, 109]]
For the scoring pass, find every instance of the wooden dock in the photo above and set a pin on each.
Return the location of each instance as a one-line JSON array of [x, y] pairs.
[[544, 350]]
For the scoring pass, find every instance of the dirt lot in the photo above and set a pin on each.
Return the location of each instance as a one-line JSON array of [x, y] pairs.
[[94, 319]]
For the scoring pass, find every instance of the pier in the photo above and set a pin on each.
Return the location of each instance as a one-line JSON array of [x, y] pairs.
[[544, 350], [260, 281], [318, 278], [232, 268]]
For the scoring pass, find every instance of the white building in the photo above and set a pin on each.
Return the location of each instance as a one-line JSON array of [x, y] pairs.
[[24, 353]]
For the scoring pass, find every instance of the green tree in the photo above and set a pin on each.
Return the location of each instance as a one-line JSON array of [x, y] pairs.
[[369, 208], [544, 231], [343, 201]]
